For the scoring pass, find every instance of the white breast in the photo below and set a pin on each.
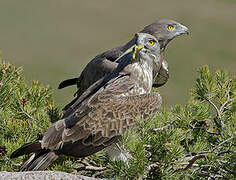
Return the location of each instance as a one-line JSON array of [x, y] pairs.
[[144, 78]]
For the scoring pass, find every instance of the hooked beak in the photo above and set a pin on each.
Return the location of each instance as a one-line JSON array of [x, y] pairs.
[[184, 30], [136, 49]]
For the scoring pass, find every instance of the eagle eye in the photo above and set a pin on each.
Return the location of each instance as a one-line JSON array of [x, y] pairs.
[[151, 42], [171, 27]]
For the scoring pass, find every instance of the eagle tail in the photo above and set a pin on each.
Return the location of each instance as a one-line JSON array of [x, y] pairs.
[[68, 82], [27, 149], [39, 161]]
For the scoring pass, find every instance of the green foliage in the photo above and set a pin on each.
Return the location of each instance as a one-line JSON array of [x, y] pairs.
[[26, 112], [23, 112], [195, 141]]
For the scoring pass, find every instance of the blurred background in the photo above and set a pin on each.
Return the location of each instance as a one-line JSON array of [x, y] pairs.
[[54, 39]]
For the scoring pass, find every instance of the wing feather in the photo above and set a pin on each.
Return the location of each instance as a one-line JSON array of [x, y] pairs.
[[102, 116], [102, 128]]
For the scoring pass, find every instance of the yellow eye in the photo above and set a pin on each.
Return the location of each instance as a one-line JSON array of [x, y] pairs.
[[171, 28], [151, 42]]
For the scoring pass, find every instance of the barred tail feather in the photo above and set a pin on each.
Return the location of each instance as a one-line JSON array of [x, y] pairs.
[[39, 161]]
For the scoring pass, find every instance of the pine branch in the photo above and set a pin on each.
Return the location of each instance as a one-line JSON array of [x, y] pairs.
[[218, 114], [164, 127], [29, 116]]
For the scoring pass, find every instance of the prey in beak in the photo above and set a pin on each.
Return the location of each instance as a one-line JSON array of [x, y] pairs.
[[136, 49]]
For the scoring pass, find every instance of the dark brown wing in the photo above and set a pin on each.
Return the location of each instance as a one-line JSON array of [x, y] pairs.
[[69, 108], [95, 69], [104, 116], [162, 76], [117, 116], [82, 108], [83, 90], [108, 79]]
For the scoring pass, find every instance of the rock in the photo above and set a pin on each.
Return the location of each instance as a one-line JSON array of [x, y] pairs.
[[42, 175]]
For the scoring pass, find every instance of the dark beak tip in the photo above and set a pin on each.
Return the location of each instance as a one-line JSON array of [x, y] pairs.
[[185, 30], [188, 32]]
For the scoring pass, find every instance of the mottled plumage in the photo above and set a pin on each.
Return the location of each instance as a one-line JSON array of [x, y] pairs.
[[106, 109], [105, 63]]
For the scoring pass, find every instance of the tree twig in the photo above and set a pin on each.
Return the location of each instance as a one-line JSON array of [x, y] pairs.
[[203, 154], [226, 102], [207, 174], [88, 167], [29, 116], [218, 146], [218, 114], [99, 173], [204, 128], [191, 161], [164, 127], [223, 152]]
